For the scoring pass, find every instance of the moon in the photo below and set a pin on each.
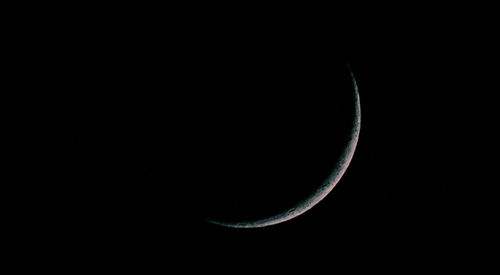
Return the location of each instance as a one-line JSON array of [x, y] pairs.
[[325, 188]]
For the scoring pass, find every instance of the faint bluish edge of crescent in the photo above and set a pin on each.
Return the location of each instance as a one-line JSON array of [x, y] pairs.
[[325, 188]]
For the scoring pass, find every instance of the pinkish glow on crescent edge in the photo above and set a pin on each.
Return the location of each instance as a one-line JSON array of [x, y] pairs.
[[324, 189]]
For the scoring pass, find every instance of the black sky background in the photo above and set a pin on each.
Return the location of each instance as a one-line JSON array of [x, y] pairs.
[[112, 143]]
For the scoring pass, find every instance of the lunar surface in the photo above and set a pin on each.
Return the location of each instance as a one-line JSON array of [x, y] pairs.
[[324, 189]]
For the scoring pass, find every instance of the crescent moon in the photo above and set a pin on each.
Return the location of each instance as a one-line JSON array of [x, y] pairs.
[[325, 188]]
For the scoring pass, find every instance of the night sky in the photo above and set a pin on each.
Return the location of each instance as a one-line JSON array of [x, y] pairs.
[[137, 122]]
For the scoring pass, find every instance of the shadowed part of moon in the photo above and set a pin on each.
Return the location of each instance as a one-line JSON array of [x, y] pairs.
[[325, 188]]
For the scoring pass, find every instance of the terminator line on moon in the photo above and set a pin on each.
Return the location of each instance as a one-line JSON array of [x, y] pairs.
[[325, 188]]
